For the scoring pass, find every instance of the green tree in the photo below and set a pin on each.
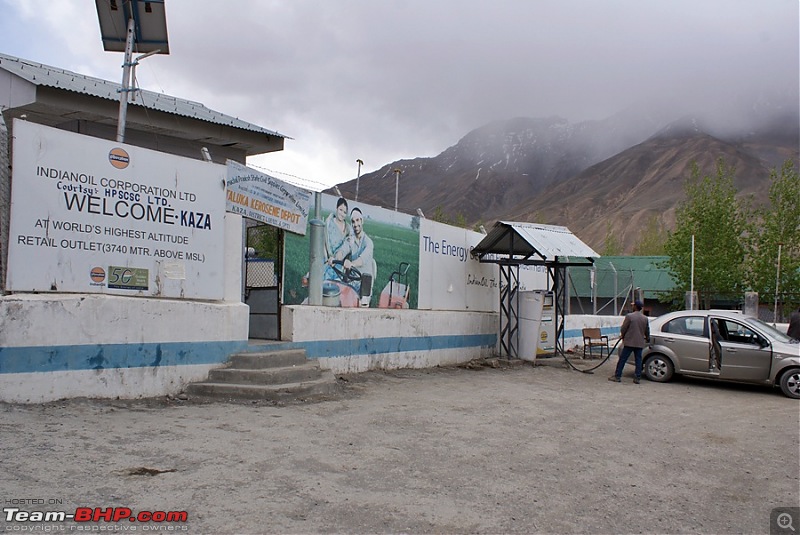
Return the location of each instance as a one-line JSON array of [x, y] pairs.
[[611, 244], [719, 223], [440, 216], [538, 217], [653, 238], [779, 223]]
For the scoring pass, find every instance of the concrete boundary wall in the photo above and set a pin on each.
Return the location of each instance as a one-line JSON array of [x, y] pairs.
[[357, 340], [361, 339], [55, 346], [574, 325]]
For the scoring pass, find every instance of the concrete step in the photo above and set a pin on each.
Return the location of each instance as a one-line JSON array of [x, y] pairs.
[[307, 371], [268, 359], [325, 386], [270, 375]]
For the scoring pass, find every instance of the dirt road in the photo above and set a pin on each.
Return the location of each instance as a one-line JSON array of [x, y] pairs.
[[506, 450]]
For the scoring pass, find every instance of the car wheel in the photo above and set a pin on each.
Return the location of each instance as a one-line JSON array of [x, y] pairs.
[[658, 368], [790, 383]]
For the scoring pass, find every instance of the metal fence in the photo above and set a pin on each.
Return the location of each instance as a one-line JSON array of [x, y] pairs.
[[263, 256], [261, 273]]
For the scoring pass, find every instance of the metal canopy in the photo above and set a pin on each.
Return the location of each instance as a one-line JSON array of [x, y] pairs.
[[511, 245], [532, 244], [150, 25]]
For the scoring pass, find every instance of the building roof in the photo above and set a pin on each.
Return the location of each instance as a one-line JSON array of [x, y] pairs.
[[44, 75], [61, 96], [533, 243], [646, 272]]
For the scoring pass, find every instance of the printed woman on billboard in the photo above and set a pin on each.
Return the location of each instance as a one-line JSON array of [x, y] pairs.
[[353, 266], [337, 230]]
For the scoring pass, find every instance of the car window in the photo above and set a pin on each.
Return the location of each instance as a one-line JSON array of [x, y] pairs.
[[771, 330], [733, 331], [688, 325]]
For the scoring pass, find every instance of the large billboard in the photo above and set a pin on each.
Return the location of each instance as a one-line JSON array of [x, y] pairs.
[[384, 259], [452, 279], [371, 257], [90, 215]]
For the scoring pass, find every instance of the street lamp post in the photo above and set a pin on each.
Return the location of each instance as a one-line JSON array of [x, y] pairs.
[[396, 185], [358, 177]]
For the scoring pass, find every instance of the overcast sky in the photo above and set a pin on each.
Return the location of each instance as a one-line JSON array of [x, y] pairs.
[[382, 80]]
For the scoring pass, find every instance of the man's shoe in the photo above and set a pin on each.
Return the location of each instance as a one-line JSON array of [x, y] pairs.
[[636, 380], [615, 379]]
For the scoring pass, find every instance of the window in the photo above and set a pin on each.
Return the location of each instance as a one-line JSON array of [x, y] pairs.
[[732, 331], [687, 325]]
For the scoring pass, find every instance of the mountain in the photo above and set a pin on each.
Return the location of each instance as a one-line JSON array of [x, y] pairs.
[[594, 177], [491, 168], [620, 194]]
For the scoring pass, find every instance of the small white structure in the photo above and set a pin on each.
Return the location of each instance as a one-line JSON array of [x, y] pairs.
[[147, 320]]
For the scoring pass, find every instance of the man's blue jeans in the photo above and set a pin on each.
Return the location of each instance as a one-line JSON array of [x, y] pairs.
[[623, 358]]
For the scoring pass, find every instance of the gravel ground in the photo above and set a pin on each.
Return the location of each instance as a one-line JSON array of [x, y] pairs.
[[513, 449]]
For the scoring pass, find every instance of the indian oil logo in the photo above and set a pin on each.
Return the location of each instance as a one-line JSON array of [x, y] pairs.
[[119, 158], [97, 274]]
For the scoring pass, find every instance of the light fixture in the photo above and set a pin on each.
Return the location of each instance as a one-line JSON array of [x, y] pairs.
[[358, 177]]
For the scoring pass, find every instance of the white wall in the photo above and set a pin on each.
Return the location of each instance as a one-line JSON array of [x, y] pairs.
[[360, 339], [451, 279], [55, 346], [574, 324]]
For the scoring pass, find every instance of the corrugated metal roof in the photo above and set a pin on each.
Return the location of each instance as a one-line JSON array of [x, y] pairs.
[[45, 75], [646, 272], [534, 243]]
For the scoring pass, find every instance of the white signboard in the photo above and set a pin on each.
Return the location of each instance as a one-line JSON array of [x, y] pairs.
[[264, 198], [90, 215], [451, 279]]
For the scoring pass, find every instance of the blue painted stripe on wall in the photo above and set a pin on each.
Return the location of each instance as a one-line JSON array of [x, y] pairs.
[[375, 346], [578, 333], [106, 356]]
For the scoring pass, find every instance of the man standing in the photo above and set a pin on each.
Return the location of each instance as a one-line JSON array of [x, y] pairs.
[[794, 325], [635, 334]]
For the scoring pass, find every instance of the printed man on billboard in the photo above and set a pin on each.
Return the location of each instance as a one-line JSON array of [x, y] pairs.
[[358, 253]]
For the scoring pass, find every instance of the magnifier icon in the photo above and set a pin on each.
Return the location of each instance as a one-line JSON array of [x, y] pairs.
[[785, 521]]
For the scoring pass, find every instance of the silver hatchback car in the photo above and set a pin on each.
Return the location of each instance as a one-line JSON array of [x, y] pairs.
[[724, 345]]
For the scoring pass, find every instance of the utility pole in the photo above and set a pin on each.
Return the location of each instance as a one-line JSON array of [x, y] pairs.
[[397, 172], [777, 283], [121, 31], [126, 83], [358, 177]]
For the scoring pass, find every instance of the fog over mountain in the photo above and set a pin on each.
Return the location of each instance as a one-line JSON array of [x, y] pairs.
[[595, 177], [383, 81]]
